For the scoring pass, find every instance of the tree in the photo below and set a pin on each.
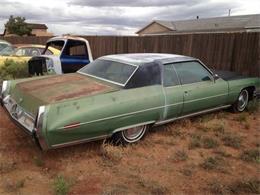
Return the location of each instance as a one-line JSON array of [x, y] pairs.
[[18, 26]]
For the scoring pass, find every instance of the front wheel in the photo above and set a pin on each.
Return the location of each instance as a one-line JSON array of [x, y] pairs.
[[130, 135], [241, 102]]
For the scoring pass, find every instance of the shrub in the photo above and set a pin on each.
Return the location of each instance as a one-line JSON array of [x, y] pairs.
[[180, 155], [247, 186], [112, 154], [61, 186], [195, 142], [209, 143], [232, 141], [13, 70], [251, 155], [212, 163]]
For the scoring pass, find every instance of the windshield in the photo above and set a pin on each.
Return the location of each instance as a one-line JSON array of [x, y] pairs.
[[53, 44], [7, 51], [111, 71], [3, 45]]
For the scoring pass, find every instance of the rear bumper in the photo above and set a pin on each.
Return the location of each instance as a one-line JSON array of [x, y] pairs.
[[19, 117]]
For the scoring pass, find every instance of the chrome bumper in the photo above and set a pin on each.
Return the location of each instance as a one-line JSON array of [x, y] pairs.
[[19, 116]]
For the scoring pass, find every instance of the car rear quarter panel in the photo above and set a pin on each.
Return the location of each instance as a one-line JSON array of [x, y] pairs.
[[102, 114], [235, 87]]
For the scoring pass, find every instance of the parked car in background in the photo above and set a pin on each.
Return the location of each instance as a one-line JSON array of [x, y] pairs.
[[120, 96], [24, 52], [4, 44], [75, 53]]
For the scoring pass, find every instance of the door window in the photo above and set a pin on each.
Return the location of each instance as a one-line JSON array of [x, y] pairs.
[[170, 77], [192, 72]]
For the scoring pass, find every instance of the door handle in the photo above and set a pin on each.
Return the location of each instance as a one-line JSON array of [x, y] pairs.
[[187, 92]]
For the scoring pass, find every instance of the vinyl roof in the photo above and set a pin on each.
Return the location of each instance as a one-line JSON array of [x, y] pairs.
[[142, 58]]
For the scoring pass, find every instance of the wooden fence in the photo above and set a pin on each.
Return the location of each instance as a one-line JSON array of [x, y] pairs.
[[238, 52]]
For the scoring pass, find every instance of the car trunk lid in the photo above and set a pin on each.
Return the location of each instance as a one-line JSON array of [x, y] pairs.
[[34, 93]]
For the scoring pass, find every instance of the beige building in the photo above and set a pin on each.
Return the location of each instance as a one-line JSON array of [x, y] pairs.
[[39, 30], [242, 23]]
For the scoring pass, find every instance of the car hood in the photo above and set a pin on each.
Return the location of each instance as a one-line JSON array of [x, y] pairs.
[[42, 91]]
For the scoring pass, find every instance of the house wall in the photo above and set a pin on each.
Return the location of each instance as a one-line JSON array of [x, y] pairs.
[[154, 28], [41, 32]]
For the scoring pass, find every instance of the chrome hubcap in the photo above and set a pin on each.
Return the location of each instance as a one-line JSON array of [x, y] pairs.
[[242, 100], [133, 134]]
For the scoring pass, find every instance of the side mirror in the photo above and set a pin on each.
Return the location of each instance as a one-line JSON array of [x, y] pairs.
[[215, 76]]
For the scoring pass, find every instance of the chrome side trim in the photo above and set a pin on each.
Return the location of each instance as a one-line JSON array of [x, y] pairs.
[[137, 112], [79, 141], [116, 116], [131, 126], [205, 98], [190, 115]]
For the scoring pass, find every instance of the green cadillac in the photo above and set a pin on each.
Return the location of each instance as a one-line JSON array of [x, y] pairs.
[[121, 96]]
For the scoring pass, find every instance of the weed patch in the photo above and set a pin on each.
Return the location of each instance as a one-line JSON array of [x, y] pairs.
[[6, 167], [111, 153], [180, 155], [252, 155], [209, 143], [245, 186], [195, 142], [232, 141], [61, 185], [212, 163]]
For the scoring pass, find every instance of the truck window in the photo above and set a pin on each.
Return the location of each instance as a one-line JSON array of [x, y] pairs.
[[76, 48], [54, 44]]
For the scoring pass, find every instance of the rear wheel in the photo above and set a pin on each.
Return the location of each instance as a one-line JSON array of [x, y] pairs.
[[130, 135], [241, 102]]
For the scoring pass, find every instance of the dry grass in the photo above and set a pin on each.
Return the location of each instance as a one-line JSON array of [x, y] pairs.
[[154, 187], [245, 186], [251, 155], [208, 148], [233, 141], [7, 166], [13, 185], [212, 163], [178, 156], [209, 143], [111, 154]]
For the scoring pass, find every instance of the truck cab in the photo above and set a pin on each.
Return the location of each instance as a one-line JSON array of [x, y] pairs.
[[75, 53]]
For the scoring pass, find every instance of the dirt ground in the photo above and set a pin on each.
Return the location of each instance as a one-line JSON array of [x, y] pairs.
[[215, 153]]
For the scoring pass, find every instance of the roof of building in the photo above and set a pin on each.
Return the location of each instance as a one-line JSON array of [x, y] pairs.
[[37, 26], [142, 58], [210, 24]]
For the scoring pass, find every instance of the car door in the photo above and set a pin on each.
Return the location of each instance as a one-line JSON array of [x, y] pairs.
[[200, 90], [74, 56], [173, 92]]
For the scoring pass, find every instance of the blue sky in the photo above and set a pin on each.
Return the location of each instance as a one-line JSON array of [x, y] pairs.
[[117, 17]]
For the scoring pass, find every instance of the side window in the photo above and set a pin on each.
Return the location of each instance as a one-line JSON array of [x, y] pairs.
[[191, 72], [170, 77], [146, 75], [20, 52], [76, 49]]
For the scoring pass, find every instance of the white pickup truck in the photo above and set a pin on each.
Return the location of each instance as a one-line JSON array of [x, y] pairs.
[[75, 53]]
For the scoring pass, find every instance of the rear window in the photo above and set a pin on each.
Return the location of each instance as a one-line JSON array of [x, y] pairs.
[[111, 71]]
